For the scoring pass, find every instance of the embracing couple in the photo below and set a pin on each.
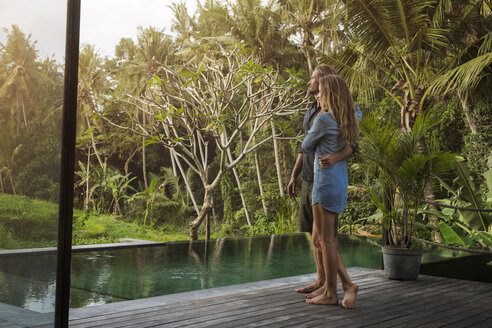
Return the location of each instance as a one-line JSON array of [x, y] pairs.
[[331, 130]]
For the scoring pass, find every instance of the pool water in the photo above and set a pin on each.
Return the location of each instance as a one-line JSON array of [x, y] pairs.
[[106, 276]]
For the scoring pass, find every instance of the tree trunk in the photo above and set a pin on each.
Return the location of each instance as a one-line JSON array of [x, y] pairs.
[[207, 227], [93, 141], [241, 193], [144, 166], [23, 111], [11, 178], [305, 50], [1, 183], [144, 161], [214, 216], [207, 205], [433, 220], [127, 162], [87, 189], [260, 184], [469, 120], [277, 161], [188, 187]]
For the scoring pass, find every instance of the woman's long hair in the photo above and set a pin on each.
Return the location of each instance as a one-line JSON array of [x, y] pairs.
[[336, 99]]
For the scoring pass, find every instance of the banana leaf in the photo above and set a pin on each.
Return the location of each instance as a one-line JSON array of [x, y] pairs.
[[482, 237], [449, 235], [476, 220]]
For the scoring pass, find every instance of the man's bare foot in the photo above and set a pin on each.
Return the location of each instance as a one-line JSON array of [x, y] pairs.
[[349, 297], [309, 288], [316, 292], [323, 300]]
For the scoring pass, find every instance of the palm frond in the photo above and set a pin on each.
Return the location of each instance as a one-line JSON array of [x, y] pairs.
[[462, 79]]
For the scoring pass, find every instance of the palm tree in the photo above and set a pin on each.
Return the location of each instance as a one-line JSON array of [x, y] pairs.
[[392, 46], [8, 150], [18, 56], [141, 61], [468, 67], [403, 169], [307, 17], [92, 83]]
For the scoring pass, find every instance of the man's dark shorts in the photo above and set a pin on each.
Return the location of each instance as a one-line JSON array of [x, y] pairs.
[[306, 209]]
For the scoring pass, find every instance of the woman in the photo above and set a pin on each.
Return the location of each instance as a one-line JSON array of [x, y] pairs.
[[337, 125]]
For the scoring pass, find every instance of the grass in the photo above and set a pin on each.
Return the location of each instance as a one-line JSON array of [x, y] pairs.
[[31, 223], [93, 228]]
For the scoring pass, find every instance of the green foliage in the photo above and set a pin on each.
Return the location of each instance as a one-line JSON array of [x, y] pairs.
[[27, 220], [94, 228], [357, 212], [462, 227], [403, 163]]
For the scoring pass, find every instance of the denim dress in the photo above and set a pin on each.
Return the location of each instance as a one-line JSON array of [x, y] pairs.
[[330, 184]]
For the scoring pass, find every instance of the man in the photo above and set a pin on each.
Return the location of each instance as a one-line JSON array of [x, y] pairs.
[[305, 164]]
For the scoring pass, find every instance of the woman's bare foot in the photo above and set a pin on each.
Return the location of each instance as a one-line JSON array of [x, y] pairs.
[[316, 292], [310, 288], [323, 299], [349, 297]]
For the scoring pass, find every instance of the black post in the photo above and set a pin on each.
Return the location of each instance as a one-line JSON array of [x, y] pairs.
[[67, 165]]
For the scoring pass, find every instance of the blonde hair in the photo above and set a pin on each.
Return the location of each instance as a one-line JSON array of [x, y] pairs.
[[325, 70], [335, 98]]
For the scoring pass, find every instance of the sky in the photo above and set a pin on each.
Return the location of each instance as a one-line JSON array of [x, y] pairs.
[[102, 23]]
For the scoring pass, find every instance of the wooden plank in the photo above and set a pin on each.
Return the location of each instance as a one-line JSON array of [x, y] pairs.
[[190, 306], [171, 308], [381, 302], [298, 298], [300, 310], [435, 304], [377, 300], [299, 301], [402, 312]]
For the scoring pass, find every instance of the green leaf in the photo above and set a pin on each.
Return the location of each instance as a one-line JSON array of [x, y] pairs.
[[210, 126], [476, 220], [449, 235], [483, 237], [488, 179], [448, 211], [435, 213], [371, 218]]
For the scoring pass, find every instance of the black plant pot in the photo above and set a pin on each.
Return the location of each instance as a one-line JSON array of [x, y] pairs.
[[401, 263]]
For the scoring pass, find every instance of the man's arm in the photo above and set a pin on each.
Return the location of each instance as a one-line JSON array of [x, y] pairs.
[[328, 160], [291, 187]]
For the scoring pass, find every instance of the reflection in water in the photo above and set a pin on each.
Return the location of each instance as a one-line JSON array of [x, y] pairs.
[[114, 275]]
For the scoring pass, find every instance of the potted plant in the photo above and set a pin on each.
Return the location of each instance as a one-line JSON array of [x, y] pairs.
[[404, 165]]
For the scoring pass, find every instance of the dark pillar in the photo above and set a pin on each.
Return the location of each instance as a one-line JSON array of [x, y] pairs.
[[67, 164]]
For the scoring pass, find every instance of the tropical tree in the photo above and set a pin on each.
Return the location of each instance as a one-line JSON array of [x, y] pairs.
[[403, 170], [92, 85], [308, 17], [467, 70], [9, 148], [391, 47], [203, 110], [18, 55]]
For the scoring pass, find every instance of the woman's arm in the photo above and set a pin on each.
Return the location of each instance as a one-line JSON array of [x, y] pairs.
[[313, 135]]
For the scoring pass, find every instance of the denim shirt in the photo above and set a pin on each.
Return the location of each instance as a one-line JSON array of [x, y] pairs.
[[308, 157], [324, 136]]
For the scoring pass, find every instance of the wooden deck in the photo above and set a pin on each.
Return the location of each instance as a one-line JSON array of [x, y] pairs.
[[428, 302]]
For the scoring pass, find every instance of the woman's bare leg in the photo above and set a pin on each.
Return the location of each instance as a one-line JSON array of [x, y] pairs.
[[349, 288], [325, 223], [320, 279]]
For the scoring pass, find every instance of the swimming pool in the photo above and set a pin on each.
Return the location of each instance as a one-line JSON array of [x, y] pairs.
[[106, 276]]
